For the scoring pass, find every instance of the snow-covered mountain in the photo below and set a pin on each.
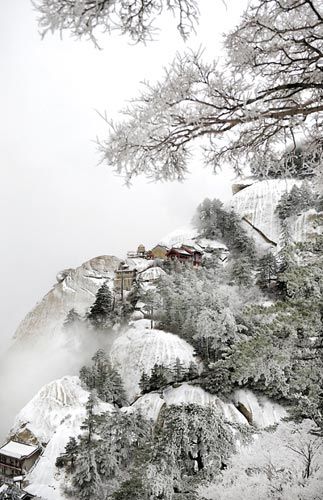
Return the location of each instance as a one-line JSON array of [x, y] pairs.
[[56, 413], [50, 418], [76, 288], [140, 347], [44, 352]]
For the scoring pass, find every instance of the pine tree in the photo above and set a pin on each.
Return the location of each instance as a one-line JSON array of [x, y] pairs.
[[71, 450], [178, 370], [72, 318], [157, 378], [192, 372], [105, 379], [90, 422], [267, 267], [87, 377], [86, 481], [242, 271], [100, 312], [144, 383]]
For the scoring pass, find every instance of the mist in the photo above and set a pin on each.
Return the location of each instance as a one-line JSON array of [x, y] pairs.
[[27, 366]]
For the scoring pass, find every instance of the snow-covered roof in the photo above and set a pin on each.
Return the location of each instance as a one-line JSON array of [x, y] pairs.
[[214, 244], [18, 450], [151, 274], [181, 251]]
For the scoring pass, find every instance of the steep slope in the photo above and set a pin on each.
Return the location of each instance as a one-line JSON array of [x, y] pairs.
[[76, 289], [41, 350], [256, 205], [56, 413], [140, 347], [52, 416], [263, 411]]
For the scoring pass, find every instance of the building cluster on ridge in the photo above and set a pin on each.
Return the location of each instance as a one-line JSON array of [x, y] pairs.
[[190, 252]]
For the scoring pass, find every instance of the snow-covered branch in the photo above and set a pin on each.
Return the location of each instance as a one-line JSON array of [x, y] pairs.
[[83, 18], [268, 95]]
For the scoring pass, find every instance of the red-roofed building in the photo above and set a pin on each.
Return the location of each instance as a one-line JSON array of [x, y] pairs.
[[185, 254]]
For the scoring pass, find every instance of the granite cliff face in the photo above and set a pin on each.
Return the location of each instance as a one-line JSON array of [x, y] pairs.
[[256, 202], [76, 288]]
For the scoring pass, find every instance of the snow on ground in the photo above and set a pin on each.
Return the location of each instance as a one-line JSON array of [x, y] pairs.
[[179, 236], [265, 412], [53, 416], [152, 274], [140, 347], [192, 394], [269, 468], [50, 406]]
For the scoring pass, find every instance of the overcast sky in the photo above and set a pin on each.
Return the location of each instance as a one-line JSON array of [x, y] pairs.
[[58, 208]]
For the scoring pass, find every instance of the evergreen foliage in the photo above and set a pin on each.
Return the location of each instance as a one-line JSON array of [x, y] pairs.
[[161, 376], [104, 379], [72, 318], [101, 311], [212, 221], [267, 270], [299, 199]]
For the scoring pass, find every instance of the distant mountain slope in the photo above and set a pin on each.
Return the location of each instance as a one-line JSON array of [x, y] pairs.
[[76, 289]]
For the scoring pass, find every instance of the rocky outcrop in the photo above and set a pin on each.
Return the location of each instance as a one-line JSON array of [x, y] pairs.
[[52, 416], [76, 288], [256, 204], [140, 347]]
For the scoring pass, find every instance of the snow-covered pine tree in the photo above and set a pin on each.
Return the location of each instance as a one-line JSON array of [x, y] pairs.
[[192, 371], [104, 379], [242, 271], [86, 481], [100, 312], [267, 269], [157, 378], [72, 318], [144, 383]]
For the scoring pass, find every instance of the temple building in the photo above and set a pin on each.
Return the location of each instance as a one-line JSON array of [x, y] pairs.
[[124, 277], [16, 458], [185, 253]]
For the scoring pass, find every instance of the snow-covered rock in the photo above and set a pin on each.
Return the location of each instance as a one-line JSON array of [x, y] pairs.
[[152, 274], [53, 415], [149, 405], [50, 406], [263, 411], [139, 263], [76, 289], [256, 205], [140, 347], [191, 394]]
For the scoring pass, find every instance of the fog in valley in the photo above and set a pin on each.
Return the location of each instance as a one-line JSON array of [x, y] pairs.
[[60, 208]]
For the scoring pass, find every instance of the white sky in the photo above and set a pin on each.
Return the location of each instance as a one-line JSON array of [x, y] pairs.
[[57, 207]]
